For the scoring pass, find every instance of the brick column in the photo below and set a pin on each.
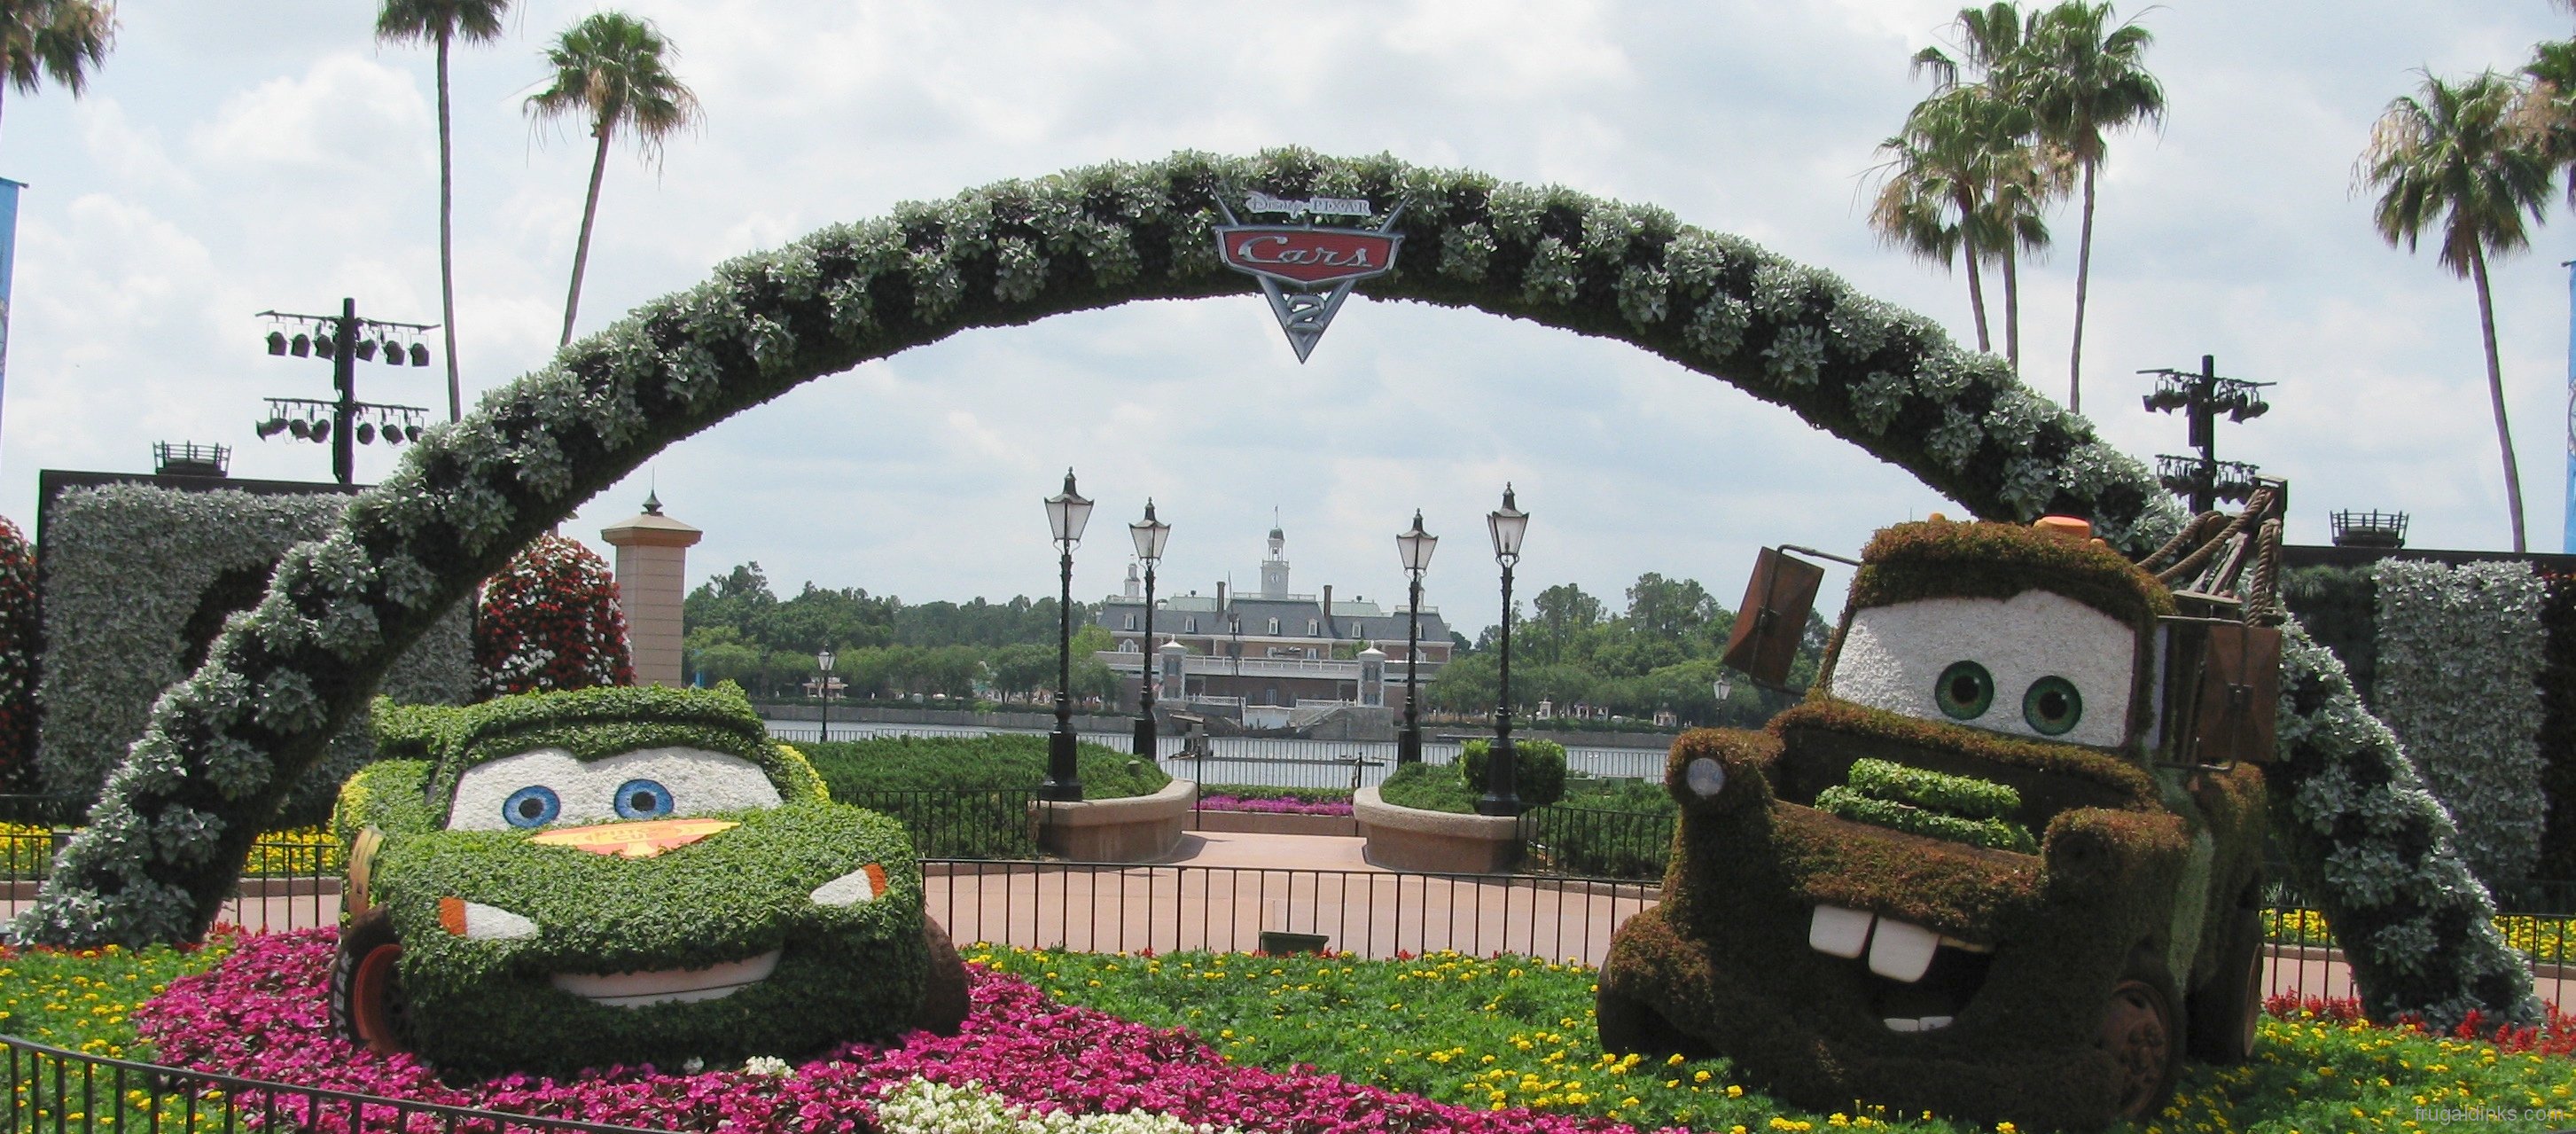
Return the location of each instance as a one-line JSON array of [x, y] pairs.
[[652, 576]]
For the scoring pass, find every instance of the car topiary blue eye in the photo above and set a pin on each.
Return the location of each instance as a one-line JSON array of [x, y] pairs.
[[643, 799], [531, 806]]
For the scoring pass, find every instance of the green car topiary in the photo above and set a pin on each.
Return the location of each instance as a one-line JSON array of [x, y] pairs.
[[622, 876], [1854, 908]]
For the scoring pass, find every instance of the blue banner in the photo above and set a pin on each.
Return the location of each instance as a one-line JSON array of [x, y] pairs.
[[8, 265]]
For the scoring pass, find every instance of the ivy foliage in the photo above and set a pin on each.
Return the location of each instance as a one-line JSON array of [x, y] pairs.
[[138, 580], [550, 620], [172, 828], [19, 647], [2460, 651]]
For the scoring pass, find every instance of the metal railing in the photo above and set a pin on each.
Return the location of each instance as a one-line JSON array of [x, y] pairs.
[[1596, 842], [53, 1091], [1374, 914], [960, 823]]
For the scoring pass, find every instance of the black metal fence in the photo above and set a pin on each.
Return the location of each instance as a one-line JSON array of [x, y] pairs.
[[973, 823], [53, 1091], [1596, 842]]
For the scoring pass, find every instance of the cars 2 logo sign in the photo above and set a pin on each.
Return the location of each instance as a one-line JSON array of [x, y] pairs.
[[1307, 257], [1307, 270]]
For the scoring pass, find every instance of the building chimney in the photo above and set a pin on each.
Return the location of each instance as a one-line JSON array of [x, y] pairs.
[[1328, 612], [1220, 601]]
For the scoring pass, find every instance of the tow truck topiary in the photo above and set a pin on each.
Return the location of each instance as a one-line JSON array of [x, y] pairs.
[[2003, 863]]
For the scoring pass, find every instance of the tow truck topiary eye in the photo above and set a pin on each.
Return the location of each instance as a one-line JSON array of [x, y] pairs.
[[624, 876]]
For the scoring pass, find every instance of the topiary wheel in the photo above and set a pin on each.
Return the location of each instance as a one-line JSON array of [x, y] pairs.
[[366, 995], [2226, 1008], [2141, 1030], [943, 995], [1629, 1027]]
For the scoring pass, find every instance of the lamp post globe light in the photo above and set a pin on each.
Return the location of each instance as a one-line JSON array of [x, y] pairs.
[[1067, 513], [823, 662], [1502, 766], [1149, 534], [1415, 548]]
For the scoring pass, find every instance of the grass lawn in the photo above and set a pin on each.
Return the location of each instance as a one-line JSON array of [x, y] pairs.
[[1519, 1032]]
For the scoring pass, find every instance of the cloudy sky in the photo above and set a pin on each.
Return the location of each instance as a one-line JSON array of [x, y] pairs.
[[234, 158]]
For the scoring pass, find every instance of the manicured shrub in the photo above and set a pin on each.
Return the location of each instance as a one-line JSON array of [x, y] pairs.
[[1539, 772], [19, 647], [2460, 654], [550, 621], [855, 768], [1428, 787], [138, 581], [1995, 834]]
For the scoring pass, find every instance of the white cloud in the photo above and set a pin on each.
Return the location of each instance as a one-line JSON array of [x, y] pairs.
[[301, 167]]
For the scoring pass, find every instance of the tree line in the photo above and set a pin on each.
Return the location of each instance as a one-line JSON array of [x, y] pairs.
[[738, 629], [1660, 654]]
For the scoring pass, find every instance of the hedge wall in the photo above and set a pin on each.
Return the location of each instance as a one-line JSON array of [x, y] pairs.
[[139, 579], [2340, 608], [165, 844], [19, 647], [2557, 740], [2460, 652]]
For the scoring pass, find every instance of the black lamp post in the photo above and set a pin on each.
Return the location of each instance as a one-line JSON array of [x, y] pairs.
[[1415, 548], [823, 662], [1502, 765], [1150, 534], [1067, 513]]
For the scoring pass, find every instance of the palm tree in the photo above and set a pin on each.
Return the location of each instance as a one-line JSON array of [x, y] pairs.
[[442, 22], [1962, 178], [1926, 201], [609, 70], [62, 39], [2453, 156], [2082, 76], [2019, 174]]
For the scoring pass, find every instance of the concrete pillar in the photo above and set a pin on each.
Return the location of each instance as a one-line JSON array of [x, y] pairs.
[[652, 577]]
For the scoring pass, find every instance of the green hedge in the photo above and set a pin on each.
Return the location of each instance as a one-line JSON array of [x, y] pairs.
[[1963, 796], [1860, 808], [942, 763], [2557, 739], [1541, 768]]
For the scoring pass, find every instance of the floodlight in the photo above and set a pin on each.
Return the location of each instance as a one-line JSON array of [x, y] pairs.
[[366, 433], [366, 350], [419, 355], [321, 431], [277, 342], [300, 345], [301, 428]]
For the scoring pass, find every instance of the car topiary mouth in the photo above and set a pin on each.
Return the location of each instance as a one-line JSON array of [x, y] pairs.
[[669, 986]]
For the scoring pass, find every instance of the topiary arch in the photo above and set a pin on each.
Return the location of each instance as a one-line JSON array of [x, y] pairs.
[[167, 838]]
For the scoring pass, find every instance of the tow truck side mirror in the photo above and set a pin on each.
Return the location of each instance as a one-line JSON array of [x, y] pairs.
[[2221, 692], [1768, 626]]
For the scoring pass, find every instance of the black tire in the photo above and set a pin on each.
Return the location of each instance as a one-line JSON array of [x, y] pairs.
[[1628, 1026], [944, 1000], [367, 1004], [2142, 1030], [2227, 1006]]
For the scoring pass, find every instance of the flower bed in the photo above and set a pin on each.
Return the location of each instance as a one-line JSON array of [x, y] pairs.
[[82, 999], [259, 1014], [2541, 937], [27, 853], [1063, 1043]]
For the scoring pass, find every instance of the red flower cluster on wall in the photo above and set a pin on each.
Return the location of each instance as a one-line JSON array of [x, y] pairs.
[[550, 620], [18, 646]]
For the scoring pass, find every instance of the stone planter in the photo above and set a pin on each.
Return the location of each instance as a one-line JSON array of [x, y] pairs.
[[1405, 838], [1145, 828], [1274, 823]]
